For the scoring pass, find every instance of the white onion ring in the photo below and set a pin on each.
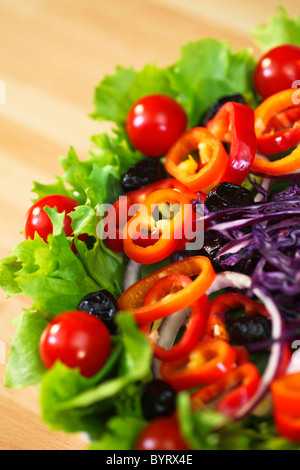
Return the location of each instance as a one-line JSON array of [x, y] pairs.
[[294, 365], [167, 335], [241, 281], [132, 274], [266, 185]]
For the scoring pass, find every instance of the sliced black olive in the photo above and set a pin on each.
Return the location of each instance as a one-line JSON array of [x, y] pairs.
[[102, 305], [139, 175], [250, 329], [236, 98], [158, 399], [227, 195]]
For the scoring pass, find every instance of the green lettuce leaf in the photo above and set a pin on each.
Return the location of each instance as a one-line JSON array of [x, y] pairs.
[[195, 80], [117, 92], [53, 275], [24, 366], [278, 30], [207, 429], [121, 433], [8, 268], [207, 70]]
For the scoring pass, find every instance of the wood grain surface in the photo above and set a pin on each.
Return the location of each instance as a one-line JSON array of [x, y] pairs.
[[52, 55]]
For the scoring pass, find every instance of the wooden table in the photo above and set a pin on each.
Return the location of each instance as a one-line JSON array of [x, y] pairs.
[[52, 55]]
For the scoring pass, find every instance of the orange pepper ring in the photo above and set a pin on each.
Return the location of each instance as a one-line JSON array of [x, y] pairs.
[[133, 297], [207, 363], [263, 114], [286, 392], [240, 385], [165, 245], [270, 107], [196, 323], [188, 142]]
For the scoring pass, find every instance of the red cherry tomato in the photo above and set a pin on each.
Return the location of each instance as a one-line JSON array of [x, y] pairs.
[[37, 220], [77, 339], [161, 434], [154, 123], [277, 70]]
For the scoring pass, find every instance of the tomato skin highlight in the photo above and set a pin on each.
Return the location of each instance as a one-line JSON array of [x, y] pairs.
[[154, 123], [161, 434], [277, 70], [36, 219], [77, 339]]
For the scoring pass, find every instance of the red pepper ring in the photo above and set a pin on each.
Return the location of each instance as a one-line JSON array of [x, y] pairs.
[[287, 425], [213, 159], [133, 298], [195, 326], [234, 123], [207, 363], [119, 213], [286, 394], [216, 327], [241, 384], [166, 232], [277, 123]]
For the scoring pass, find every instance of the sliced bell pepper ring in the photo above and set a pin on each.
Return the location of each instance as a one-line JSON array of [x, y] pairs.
[[166, 232], [242, 355], [240, 384], [285, 360], [133, 297], [119, 213], [216, 326], [234, 124], [271, 141], [277, 123], [207, 363], [286, 394], [195, 326], [212, 159], [287, 425]]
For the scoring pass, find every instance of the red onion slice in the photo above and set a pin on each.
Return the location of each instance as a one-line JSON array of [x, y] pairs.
[[132, 274], [241, 281]]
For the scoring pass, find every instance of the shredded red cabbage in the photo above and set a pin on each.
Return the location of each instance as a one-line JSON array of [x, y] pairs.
[[263, 241]]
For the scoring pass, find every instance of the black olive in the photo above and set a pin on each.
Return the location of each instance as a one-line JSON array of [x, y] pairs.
[[213, 244], [147, 171], [102, 305], [250, 329], [227, 195], [158, 399], [237, 98]]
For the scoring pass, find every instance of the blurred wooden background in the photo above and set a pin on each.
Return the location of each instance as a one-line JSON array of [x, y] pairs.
[[52, 55]]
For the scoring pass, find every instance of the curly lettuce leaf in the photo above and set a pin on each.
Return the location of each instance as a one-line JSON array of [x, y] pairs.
[[117, 92], [24, 366], [95, 179], [120, 433], [53, 275], [280, 29], [207, 70], [8, 268], [207, 429], [195, 80]]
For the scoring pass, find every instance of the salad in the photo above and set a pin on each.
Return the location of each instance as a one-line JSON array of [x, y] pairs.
[[164, 268]]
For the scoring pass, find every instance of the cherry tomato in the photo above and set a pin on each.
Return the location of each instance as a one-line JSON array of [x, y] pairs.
[[161, 434], [154, 123], [277, 70], [37, 220], [77, 339]]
